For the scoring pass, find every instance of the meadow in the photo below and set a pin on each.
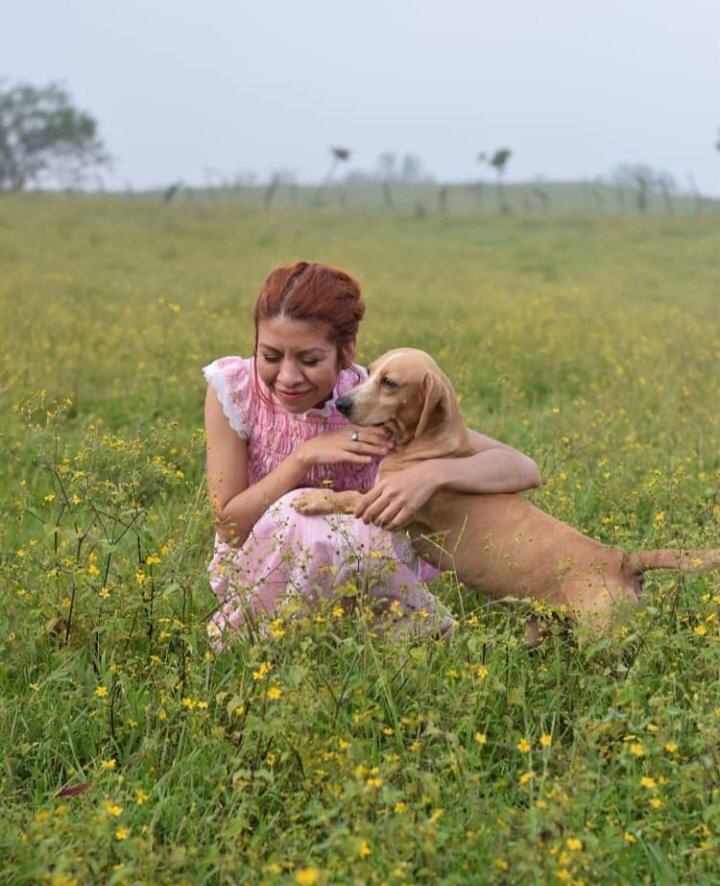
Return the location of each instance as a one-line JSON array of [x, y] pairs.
[[326, 753]]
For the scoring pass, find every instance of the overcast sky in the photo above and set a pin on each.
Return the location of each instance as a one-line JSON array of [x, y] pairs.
[[187, 90]]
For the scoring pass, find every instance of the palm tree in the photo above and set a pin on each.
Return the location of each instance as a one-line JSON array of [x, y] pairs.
[[339, 155], [498, 161]]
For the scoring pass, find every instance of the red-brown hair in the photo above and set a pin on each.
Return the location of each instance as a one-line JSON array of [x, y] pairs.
[[313, 292]]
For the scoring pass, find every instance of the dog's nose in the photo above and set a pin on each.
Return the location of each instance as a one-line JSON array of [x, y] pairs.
[[344, 405]]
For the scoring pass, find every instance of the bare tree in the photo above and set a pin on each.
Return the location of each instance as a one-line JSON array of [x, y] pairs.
[[541, 195], [645, 181], [386, 168], [442, 199], [667, 186], [411, 169], [480, 185], [171, 192], [279, 177]]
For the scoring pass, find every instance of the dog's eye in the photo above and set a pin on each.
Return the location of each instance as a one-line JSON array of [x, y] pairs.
[[386, 382]]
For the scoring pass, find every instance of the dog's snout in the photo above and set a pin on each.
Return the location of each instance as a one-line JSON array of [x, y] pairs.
[[344, 405]]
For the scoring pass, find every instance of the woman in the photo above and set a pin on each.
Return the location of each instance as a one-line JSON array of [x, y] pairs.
[[272, 428]]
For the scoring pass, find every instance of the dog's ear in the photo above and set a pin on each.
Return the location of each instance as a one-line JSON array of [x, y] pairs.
[[435, 403]]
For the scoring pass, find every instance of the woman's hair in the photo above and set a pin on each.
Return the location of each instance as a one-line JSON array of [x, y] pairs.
[[313, 292]]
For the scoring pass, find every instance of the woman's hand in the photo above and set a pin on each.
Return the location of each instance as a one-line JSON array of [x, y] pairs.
[[395, 498], [494, 468], [350, 443]]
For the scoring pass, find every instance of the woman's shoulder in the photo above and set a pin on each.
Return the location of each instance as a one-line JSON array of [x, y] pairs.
[[228, 366], [233, 380]]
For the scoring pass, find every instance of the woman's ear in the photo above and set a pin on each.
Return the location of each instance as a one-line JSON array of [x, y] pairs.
[[346, 353]]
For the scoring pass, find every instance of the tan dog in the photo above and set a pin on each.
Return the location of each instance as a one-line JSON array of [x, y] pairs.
[[500, 545]]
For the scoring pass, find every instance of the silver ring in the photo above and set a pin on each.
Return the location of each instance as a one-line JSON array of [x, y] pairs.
[[355, 436]]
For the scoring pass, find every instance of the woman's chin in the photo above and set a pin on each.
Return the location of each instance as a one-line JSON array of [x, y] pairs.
[[297, 404]]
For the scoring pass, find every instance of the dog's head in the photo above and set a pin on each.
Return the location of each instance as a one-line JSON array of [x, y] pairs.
[[405, 392]]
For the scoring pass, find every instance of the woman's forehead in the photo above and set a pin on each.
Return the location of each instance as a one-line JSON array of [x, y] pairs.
[[286, 333]]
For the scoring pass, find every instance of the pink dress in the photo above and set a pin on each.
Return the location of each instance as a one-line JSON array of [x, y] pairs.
[[290, 555]]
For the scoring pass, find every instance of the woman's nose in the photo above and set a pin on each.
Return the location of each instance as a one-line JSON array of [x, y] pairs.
[[289, 372]]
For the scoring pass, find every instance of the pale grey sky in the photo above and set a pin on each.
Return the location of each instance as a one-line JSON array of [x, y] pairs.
[[573, 87]]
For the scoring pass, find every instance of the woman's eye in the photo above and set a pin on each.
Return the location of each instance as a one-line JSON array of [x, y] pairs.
[[309, 362]]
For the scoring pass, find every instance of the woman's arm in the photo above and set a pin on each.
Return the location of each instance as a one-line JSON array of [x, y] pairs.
[[493, 468], [236, 504]]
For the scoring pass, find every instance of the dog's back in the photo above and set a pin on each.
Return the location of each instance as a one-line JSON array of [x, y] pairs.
[[503, 546]]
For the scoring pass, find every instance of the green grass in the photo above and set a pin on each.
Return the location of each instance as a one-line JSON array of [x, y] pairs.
[[326, 753]]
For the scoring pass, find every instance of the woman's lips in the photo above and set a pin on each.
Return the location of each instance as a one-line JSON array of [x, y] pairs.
[[292, 395]]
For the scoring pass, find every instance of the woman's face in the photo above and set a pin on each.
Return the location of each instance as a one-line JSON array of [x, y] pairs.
[[298, 361]]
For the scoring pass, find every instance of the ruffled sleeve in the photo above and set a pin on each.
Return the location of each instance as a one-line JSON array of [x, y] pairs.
[[230, 377]]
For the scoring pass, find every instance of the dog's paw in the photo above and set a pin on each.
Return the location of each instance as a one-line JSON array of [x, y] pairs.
[[312, 502]]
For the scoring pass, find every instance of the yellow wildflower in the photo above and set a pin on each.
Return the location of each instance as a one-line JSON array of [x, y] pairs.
[[648, 782], [262, 671]]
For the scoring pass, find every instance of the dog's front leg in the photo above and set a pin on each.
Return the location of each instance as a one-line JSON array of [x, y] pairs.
[[313, 502]]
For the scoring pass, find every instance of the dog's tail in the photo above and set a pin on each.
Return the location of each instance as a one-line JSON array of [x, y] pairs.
[[684, 561]]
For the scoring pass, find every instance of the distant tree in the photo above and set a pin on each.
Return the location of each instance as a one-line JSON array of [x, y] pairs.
[[43, 136], [541, 195], [480, 186], [645, 181], [695, 191], [279, 177], [386, 168], [667, 186], [499, 161], [635, 178], [339, 155], [170, 192], [443, 199], [411, 169]]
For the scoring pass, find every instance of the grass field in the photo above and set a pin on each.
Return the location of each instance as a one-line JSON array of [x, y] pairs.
[[130, 754]]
